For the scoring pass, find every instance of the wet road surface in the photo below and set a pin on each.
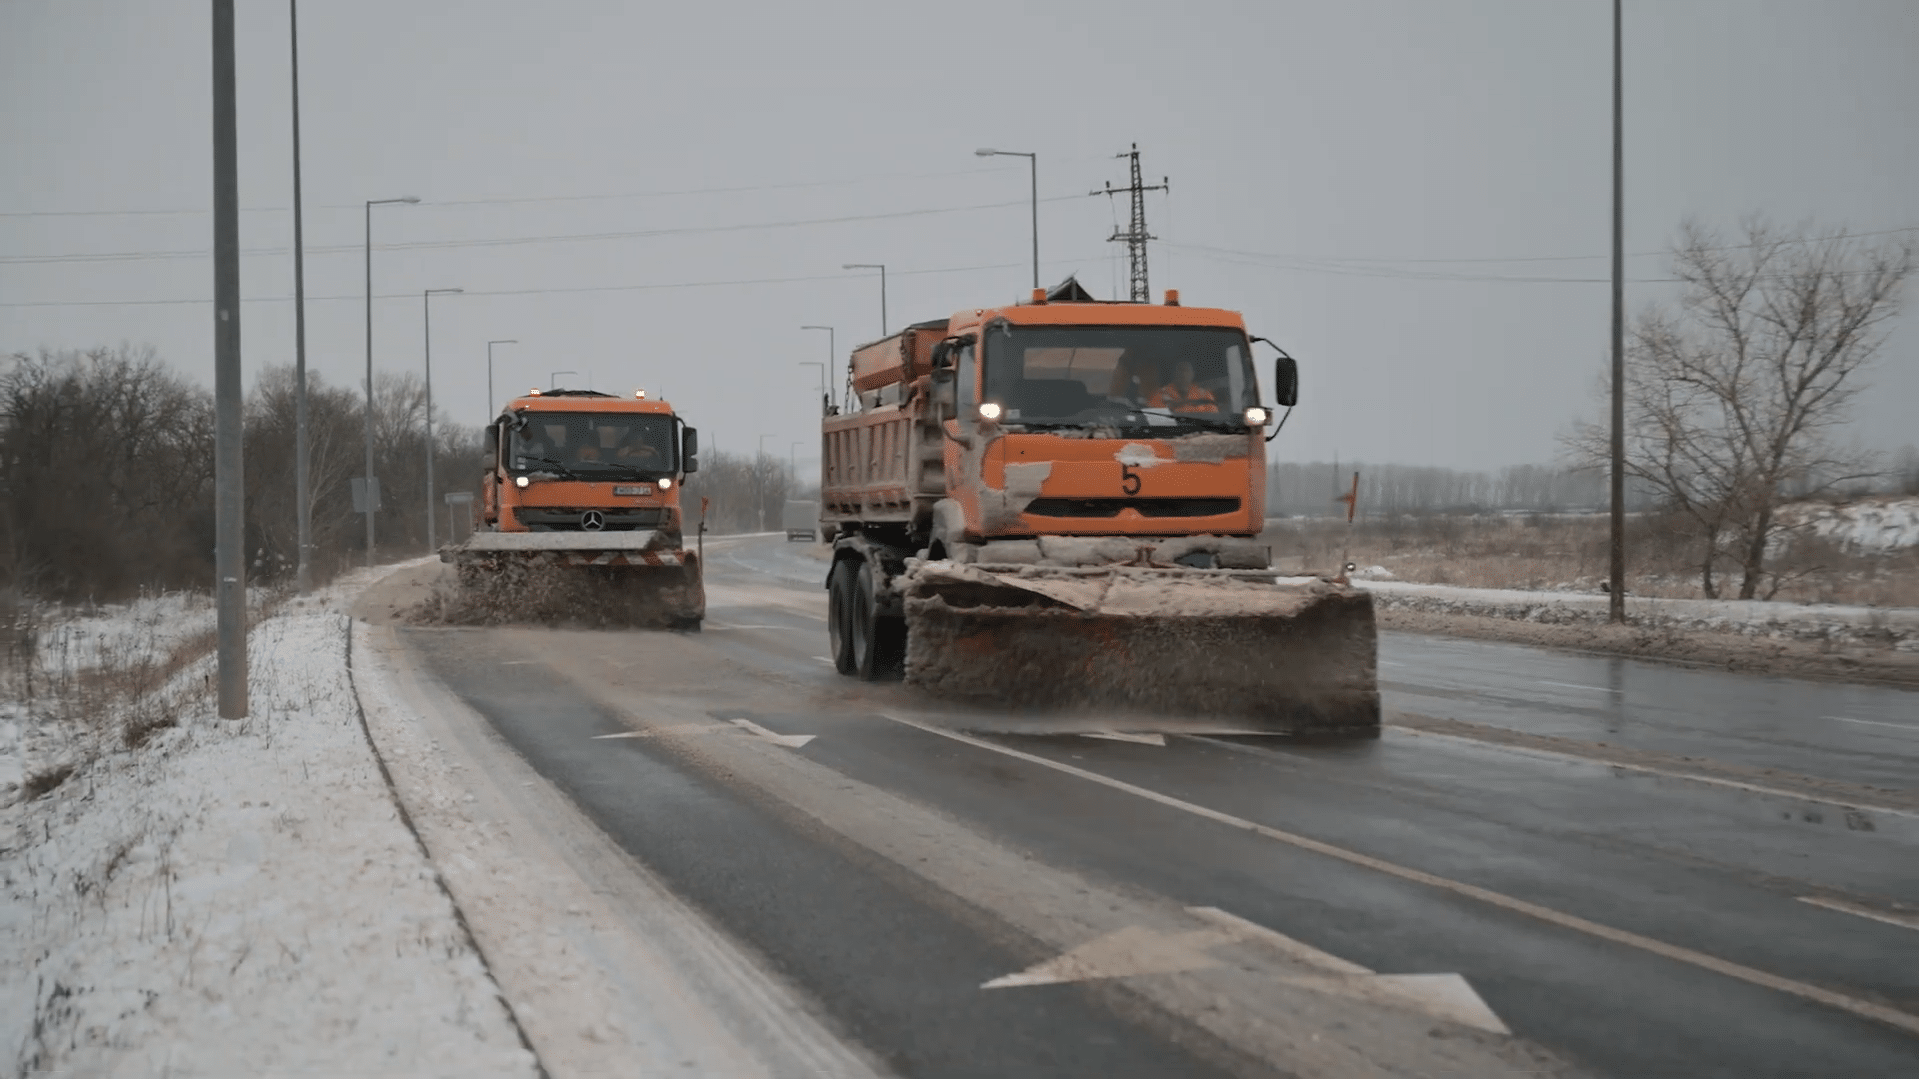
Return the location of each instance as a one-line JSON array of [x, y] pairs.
[[892, 857]]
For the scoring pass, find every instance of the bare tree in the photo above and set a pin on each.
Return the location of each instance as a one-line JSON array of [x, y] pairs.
[[1736, 397]]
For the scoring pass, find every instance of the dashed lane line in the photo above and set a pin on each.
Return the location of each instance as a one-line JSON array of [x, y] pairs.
[[1874, 722], [1865, 1008], [1908, 921], [1669, 773]]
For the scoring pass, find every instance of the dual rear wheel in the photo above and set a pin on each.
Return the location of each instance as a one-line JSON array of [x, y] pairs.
[[865, 643]]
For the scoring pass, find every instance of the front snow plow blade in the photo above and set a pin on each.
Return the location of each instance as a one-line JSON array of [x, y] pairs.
[[1251, 651], [597, 578]]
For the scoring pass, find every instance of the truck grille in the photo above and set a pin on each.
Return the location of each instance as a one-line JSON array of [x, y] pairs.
[[1146, 507], [567, 518]]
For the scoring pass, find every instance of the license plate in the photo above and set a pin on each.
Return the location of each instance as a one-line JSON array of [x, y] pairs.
[[632, 490]]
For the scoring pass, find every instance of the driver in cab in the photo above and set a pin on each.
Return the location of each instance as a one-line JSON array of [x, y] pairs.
[[1183, 396]]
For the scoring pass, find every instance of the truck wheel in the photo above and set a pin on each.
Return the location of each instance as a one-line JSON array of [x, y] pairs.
[[839, 610], [879, 643]]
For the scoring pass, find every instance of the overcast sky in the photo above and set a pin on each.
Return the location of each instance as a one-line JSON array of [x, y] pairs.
[[661, 195]]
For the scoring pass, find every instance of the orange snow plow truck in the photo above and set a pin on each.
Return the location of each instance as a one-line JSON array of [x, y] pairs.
[[580, 508], [1057, 504]]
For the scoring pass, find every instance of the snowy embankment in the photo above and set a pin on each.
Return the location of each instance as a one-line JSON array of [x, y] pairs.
[[235, 897], [1867, 528], [1894, 627]]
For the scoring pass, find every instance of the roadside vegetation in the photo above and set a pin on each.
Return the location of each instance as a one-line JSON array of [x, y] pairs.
[[1569, 552]]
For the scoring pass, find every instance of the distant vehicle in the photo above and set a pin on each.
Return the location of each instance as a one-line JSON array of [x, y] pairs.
[[801, 520], [589, 481], [1057, 503]]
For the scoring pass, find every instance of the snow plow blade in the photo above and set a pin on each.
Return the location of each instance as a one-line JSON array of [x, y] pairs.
[[602, 578], [1254, 652]]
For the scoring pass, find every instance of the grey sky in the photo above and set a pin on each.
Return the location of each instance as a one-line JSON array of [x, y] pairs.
[[1303, 141]]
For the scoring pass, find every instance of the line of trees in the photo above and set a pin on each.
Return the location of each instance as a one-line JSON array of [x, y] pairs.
[[106, 473]]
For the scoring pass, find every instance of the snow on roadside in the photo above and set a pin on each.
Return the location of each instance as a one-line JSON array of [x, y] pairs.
[[240, 898], [1894, 627]]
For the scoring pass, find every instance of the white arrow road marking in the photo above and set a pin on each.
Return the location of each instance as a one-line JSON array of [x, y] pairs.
[[1909, 921], [790, 741], [1118, 736], [1442, 996], [1138, 950], [652, 732], [1130, 951]]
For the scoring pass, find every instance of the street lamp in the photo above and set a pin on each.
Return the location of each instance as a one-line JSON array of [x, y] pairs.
[[832, 357], [553, 380], [881, 267], [426, 311], [1032, 159], [489, 372], [370, 488]]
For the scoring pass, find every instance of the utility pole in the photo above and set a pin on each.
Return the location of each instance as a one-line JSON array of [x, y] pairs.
[[1135, 236], [229, 487], [303, 511], [1616, 598]]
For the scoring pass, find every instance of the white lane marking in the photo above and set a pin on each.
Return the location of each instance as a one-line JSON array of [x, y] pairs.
[[654, 732], [790, 741], [1122, 954], [1690, 777], [1120, 736], [724, 625], [1908, 921], [1138, 950], [1890, 1016], [1297, 951], [1873, 722], [825, 660], [1570, 685]]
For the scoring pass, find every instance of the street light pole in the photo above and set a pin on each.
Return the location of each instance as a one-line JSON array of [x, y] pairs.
[[553, 379], [370, 204], [881, 267], [489, 373], [426, 312], [1616, 602], [229, 484], [832, 358], [1032, 160], [303, 509]]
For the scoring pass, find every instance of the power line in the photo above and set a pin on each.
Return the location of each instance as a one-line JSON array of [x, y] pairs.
[[790, 185], [512, 241], [524, 291]]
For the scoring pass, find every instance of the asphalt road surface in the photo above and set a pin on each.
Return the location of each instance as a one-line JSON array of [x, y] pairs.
[[948, 893]]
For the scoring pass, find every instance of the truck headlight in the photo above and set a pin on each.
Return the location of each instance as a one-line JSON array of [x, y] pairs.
[[666, 483], [521, 481], [1257, 416], [989, 411]]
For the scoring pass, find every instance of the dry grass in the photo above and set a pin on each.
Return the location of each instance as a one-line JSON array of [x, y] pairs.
[[1559, 552], [88, 690]]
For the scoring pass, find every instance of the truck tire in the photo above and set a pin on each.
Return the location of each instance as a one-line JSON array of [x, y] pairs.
[[839, 609], [879, 643]]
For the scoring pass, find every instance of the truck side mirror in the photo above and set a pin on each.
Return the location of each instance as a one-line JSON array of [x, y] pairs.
[[689, 450], [1286, 381]]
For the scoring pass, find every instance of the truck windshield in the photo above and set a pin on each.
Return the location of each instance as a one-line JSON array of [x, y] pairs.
[[1084, 376], [595, 444]]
